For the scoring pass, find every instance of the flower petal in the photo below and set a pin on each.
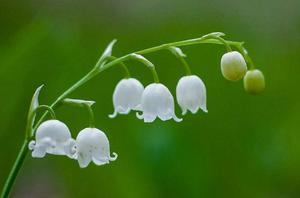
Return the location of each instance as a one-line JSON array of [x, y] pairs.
[[83, 160]]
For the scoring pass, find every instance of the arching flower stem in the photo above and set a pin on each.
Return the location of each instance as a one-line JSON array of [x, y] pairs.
[[155, 75], [126, 70], [101, 66], [91, 116], [48, 108], [245, 53], [83, 103], [181, 57]]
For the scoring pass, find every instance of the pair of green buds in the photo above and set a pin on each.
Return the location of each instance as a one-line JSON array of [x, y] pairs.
[[234, 68]]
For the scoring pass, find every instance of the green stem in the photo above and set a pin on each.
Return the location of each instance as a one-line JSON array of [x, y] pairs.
[[126, 70], [48, 108], [154, 74], [200, 40], [248, 59], [15, 170], [98, 68], [91, 116], [185, 65]]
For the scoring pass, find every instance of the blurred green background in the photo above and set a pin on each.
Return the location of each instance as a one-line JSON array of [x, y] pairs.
[[245, 146]]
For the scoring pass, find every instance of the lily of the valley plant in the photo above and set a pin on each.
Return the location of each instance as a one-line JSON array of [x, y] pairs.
[[50, 136]]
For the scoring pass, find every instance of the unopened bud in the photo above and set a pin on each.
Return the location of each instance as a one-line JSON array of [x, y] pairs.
[[254, 81], [233, 66]]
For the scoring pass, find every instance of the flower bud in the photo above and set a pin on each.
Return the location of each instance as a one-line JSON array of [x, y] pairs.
[[254, 81], [233, 66]]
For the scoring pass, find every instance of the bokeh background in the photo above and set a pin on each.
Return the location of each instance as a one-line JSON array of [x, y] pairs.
[[245, 146]]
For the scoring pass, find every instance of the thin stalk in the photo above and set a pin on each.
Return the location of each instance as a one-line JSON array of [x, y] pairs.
[[100, 66], [185, 65], [91, 116], [248, 59], [15, 170], [48, 108], [125, 68], [154, 74]]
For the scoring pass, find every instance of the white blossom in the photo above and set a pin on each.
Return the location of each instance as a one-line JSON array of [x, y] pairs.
[[127, 96], [157, 101], [92, 145], [52, 137], [191, 94]]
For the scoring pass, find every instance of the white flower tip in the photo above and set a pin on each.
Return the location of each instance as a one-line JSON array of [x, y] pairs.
[[38, 153], [139, 116], [177, 119], [184, 111], [113, 115], [82, 165], [31, 145], [114, 157]]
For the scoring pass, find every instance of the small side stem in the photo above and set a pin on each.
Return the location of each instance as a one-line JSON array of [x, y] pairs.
[[245, 53], [91, 116], [186, 66], [48, 108], [126, 70], [154, 74]]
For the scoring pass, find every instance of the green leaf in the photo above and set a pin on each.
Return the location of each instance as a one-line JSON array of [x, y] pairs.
[[107, 52], [31, 112], [34, 104]]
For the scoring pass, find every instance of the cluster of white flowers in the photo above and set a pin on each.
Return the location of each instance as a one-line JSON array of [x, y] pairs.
[[54, 137], [156, 100]]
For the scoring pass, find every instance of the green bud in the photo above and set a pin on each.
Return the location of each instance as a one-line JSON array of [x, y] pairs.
[[233, 66], [254, 81]]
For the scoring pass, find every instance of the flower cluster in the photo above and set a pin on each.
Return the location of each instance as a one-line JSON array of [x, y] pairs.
[[151, 102], [54, 137], [156, 100]]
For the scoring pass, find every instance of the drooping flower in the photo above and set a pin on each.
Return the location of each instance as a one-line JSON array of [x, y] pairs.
[[233, 66], [127, 96], [191, 94], [92, 145], [157, 101], [254, 81], [52, 137]]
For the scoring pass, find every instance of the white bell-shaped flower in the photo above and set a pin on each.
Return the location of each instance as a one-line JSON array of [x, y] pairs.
[[92, 145], [191, 94], [127, 96], [157, 101], [52, 137]]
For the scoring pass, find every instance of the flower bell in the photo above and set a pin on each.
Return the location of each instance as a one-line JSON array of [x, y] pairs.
[[233, 66], [191, 94], [254, 81], [157, 101], [127, 96], [52, 137], [92, 145]]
